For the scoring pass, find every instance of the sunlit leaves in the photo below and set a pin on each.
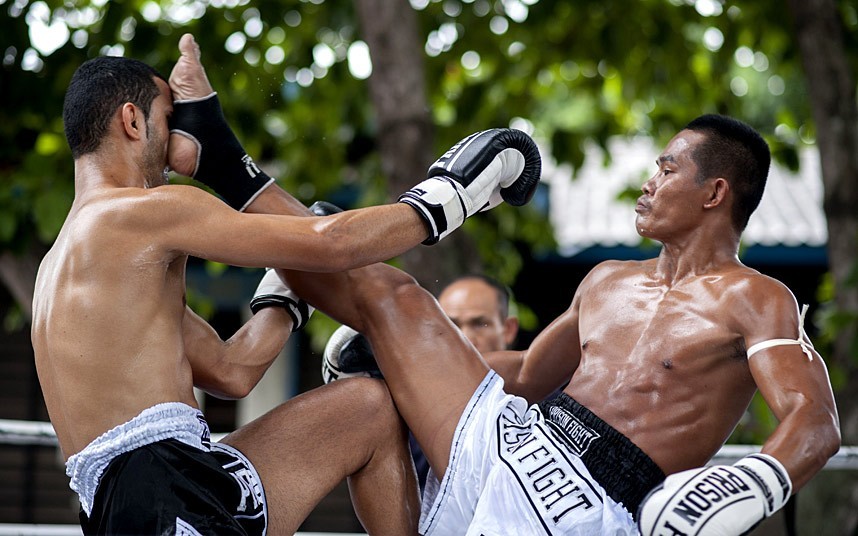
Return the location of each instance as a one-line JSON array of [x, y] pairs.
[[292, 77]]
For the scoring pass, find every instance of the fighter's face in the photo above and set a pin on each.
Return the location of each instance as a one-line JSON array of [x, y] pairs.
[[154, 159], [672, 198], [473, 306]]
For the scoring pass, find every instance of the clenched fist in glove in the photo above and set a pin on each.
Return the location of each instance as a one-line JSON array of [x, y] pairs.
[[475, 175], [272, 292], [722, 500], [348, 354]]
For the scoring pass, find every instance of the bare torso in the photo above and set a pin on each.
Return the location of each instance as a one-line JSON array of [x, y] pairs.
[[107, 320], [665, 364]]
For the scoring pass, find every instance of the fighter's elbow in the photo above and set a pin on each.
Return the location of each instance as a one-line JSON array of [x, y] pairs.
[[344, 252], [830, 445], [227, 381], [828, 431], [336, 249], [343, 260], [235, 388], [824, 443]]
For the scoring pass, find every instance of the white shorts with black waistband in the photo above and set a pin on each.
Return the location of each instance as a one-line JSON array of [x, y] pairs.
[[509, 474]]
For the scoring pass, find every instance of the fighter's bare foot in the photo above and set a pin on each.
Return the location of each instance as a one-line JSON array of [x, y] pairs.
[[188, 79]]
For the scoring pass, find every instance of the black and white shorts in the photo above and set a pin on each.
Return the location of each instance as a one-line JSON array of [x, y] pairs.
[[171, 488], [521, 469]]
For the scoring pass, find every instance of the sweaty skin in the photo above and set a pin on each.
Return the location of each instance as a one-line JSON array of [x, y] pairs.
[[112, 335], [658, 348], [655, 348], [108, 307], [664, 361], [110, 329]]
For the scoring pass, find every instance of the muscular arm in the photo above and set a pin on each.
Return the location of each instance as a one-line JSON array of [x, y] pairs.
[[232, 368], [193, 222], [547, 364], [797, 390]]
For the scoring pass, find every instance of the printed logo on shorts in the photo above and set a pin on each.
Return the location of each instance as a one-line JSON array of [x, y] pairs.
[[577, 435], [250, 489], [205, 435], [545, 474], [183, 528]]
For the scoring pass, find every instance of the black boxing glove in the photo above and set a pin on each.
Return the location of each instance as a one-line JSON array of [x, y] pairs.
[[222, 163], [348, 354], [324, 208], [475, 175]]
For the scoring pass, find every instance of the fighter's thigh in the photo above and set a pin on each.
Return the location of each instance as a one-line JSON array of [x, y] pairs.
[[303, 448], [430, 366]]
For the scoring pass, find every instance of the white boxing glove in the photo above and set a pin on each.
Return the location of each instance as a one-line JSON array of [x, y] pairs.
[[721, 500], [348, 354], [476, 174], [273, 292]]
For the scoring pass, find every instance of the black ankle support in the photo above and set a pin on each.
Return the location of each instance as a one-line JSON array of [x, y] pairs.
[[222, 163]]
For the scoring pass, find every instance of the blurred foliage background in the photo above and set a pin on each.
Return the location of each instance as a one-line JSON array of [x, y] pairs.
[[350, 101]]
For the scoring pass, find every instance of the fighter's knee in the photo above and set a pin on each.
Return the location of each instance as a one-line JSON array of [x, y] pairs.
[[389, 288], [368, 395], [377, 405]]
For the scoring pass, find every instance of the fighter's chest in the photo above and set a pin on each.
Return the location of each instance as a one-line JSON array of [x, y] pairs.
[[642, 320]]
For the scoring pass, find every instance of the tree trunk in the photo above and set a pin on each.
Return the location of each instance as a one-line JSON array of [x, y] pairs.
[[831, 86], [405, 128]]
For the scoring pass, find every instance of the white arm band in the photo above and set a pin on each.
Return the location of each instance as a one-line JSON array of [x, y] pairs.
[[803, 340]]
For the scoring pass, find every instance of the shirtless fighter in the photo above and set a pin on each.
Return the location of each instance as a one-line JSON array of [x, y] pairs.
[[662, 358], [118, 352]]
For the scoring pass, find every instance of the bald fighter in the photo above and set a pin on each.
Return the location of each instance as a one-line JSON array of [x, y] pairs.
[[659, 358], [118, 352]]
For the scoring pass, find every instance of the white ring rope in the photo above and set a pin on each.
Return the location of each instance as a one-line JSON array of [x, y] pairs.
[[26, 433], [14, 432], [846, 457], [22, 529]]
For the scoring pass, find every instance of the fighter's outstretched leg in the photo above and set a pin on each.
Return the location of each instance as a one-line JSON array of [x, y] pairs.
[[430, 367], [303, 448]]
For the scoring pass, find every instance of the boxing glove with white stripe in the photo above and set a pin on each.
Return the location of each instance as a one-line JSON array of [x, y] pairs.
[[348, 354], [721, 500], [273, 292], [475, 175]]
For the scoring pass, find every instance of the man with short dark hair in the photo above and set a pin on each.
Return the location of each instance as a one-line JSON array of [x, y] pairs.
[[118, 352], [660, 359]]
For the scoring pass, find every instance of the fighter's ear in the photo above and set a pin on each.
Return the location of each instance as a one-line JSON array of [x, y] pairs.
[[718, 189], [132, 120], [510, 330]]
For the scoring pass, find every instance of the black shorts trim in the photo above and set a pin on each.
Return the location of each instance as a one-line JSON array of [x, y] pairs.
[[617, 464]]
